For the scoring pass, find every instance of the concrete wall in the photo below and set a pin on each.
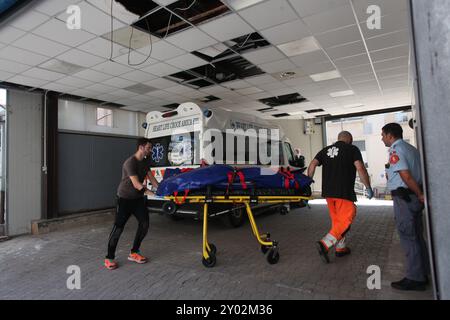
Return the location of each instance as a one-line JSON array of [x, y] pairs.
[[432, 55], [24, 197], [308, 144]]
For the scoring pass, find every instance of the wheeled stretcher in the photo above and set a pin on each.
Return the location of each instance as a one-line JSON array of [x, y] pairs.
[[240, 197]]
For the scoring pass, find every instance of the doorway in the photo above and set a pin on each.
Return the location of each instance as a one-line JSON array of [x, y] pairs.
[[366, 131], [3, 153]]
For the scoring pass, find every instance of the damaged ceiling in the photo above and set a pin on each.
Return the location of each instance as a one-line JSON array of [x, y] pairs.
[[276, 58]]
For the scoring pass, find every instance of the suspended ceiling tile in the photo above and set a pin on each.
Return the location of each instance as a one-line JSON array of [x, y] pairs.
[[330, 20], [310, 58], [388, 40], [40, 45], [268, 14], [339, 36], [161, 69], [228, 27], [264, 55], [57, 30], [286, 32], [186, 62], [31, 20], [278, 66], [81, 58], [191, 39], [310, 7], [22, 56]]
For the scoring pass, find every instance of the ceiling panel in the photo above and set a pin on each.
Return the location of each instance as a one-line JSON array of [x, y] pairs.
[[40, 45], [228, 27], [330, 20], [268, 14], [57, 30], [286, 32]]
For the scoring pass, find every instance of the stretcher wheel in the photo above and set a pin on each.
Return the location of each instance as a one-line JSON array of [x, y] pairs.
[[210, 262], [213, 248], [273, 256], [283, 210], [169, 207]]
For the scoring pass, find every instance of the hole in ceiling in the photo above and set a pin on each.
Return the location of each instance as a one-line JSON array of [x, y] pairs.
[[171, 106], [281, 115], [178, 16], [266, 110], [283, 100], [314, 110], [138, 7], [247, 42], [200, 83], [209, 99], [157, 23], [218, 72]]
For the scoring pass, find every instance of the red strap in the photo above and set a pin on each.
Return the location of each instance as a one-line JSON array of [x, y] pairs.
[[289, 176], [242, 179], [186, 170], [175, 194]]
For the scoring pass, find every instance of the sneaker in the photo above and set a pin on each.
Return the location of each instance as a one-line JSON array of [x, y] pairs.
[[110, 264], [342, 252], [409, 285], [323, 251], [137, 257]]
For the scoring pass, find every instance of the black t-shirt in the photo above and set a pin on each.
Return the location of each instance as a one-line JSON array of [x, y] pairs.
[[339, 171], [132, 167]]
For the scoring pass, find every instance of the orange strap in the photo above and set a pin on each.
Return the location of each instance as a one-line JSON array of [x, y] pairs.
[[184, 197]]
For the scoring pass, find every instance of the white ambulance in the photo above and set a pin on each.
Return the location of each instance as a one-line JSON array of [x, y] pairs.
[[180, 139]]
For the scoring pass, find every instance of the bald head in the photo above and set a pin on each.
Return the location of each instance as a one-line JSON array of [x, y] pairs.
[[346, 137]]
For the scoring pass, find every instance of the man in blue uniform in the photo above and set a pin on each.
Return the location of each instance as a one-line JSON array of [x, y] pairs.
[[404, 183]]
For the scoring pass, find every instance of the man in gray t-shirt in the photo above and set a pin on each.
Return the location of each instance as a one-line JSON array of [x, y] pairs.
[[131, 200]]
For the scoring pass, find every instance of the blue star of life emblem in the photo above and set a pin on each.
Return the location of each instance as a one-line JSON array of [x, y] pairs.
[[157, 153]]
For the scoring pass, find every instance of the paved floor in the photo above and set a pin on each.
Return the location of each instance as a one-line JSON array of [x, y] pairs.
[[35, 267]]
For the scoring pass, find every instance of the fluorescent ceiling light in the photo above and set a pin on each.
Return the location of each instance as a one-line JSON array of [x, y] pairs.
[[342, 93], [298, 47], [325, 76], [241, 4]]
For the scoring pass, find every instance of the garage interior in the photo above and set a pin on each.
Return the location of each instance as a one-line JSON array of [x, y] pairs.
[[77, 95]]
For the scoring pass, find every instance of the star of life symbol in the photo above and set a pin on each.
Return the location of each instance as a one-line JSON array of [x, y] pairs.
[[157, 153], [333, 152]]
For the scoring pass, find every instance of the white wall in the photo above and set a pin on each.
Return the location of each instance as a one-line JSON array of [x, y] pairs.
[[24, 186], [309, 144], [78, 116]]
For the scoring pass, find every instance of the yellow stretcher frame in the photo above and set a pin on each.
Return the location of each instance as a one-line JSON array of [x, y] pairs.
[[267, 245]]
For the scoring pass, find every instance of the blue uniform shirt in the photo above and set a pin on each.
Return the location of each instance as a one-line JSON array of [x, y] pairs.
[[402, 156]]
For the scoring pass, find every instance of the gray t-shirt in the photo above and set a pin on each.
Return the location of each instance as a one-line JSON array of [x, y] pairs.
[[132, 167]]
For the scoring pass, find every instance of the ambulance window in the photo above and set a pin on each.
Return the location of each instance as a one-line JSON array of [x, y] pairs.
[[288, 151]]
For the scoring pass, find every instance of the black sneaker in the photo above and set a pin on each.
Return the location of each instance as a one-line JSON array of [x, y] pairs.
[[409, 285], [323, 252], [343, 252]]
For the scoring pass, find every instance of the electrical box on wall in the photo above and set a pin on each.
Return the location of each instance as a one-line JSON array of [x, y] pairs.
[[308, 127]]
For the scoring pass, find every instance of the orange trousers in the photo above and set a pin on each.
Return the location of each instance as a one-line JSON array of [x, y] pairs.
[[342, 213]]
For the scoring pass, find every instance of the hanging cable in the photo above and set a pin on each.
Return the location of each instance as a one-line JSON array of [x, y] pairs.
[[184, 9], [129, 47], [112, 33]]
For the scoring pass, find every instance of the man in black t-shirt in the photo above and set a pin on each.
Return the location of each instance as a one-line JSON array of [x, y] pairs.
[[131, 201], [340, 162]]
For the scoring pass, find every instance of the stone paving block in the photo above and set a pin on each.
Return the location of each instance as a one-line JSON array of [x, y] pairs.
[[34, 267]]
